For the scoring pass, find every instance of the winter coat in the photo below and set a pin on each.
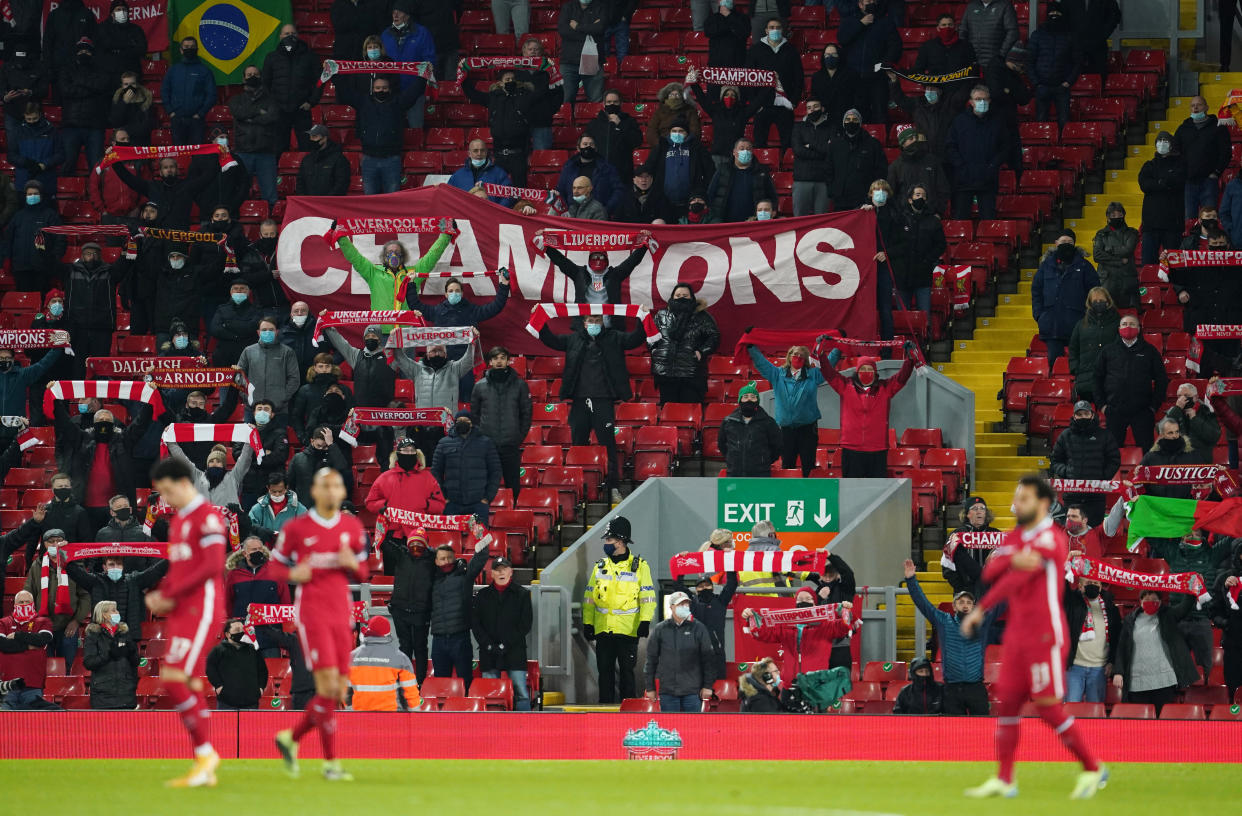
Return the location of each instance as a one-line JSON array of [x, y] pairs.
[[921, 696], [467, 468], [1224, 616], [272, 370], [713, 614], [837, 92], [811, 142], [66, 24], [962, 656], [79, 598], [324, 172], [802, 647], [1130, 378], [468, 177], [1175, 648], [548, 100], [261, 513], [645, 208], [112, 660], [15, 382], [749, 448], [1054, 58], [84, 95], [1202, 429], [726, 39], [126, 593], [592, 19], [935, 57], [605, 352], [17, 244], [605, 182], [977, 146], [728, 124], [234, 328], [932, 120], [1231, 211], [90, 296], [451, 595], [501, 405], [8, 199], [508, 114], [866, 45], [840, 589], [188, 89], [1059, 294], [681, 336], [298, 340], [757, 699], [275, 443], [245, 585], [414, 44], [680, 658], [700, 166], [762, 187], [794, 397], [1076, 616], [435, 388], [17, 75], [1215, 294], [292, 77], [1183, 455], [381, 125], [136, 117], [1089, 454], [1205, 148], [31, 145], [501, 622], [111, 196], [352, 22], [991, 28], [864, 411], [412, 576], [852, 165], [256, 115], [617, 143], [228, 490], [308, 460], [257, 270], [382, 677], [589, 210], [119, 47], [309, 397], [785, 60], [663, 117], [1113, 250], [75, 451], [239, 672], [414, 490], [375, 381], [919, 245]]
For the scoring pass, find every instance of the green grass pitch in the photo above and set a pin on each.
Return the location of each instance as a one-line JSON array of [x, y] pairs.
[[619, 788]]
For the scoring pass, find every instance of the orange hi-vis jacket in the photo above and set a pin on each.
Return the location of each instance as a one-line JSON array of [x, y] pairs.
[[382, 677]]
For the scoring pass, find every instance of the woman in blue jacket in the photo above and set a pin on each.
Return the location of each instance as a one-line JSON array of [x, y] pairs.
[[794, 387]]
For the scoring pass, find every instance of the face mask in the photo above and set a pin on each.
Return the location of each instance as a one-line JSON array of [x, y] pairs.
[[815, 116], [1128, 333], [1151, 607], [236, 637], [478, 162], [804, 604], [253, 81], [613, 109], [1198, 116], [372, 343], [121, 16], [1099, 306], [176, 263], [744, 157], [223, 141], [103, 429], [257, 559], [33, 198], [437, 362], [1065, 252], [705, 595], [866, 377], [114, 574], [587, 153], [852, 129], [918, 204], [1082, 424], [796, 362], [407, 461], [400, 26], [333, 402], [298, 320], [56, 309], [463, 427], [932, 97], [1163, 147], [262, 417], [1171, 445], [831, 61], [289, 42], [453, 298], [1091, 592], [446, 568], [749, 409], [698, 207], [981, 106], [1207, 224], [682, 304], [381, 96], [681, 611], [498, 374], [82, 409], [677, 138], [1117, 223], [189, 53], [763, 215], [727, 4], [63, 493], [594, 329], [774, 36], [879, 198], [1076, 528], [124, 515], [267, 337], [239, 297], [373, 53], [580, 199], [194, 414], [597, 264], [510, 87], [214, 474]]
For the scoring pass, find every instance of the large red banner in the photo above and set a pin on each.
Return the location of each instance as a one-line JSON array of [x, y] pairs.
[[816, 271], [149, 15]]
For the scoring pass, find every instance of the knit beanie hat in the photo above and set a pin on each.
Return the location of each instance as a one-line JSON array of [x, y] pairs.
[[907, 135], [53, 294], [749, 388]]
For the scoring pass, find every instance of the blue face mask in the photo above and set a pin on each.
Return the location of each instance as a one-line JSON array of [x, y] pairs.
[[763, 215], [239, 297], [33, 199], [744, 156], [114, 617], [262, 417], [981, 105], [677, 138], [56, 309], [453, 298], [580, 199], [594, 329], [82, 409], [181, 341], [879, 198], [1197, 116], [267, 336], [478, 162], [609, 549], [932, 97], [373, 53], [115, 574], [774, 36]]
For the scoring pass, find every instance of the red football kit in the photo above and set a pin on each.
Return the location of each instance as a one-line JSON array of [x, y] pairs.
[[197, 539], [324, 606]]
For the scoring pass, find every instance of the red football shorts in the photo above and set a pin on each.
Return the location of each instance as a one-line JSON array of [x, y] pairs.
[[326, 646], [190, 638], [1031, 671]]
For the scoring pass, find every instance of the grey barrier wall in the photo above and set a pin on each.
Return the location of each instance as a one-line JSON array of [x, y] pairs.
[[673, 515]]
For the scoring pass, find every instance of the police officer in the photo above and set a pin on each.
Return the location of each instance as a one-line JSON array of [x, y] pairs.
[[617, 608]]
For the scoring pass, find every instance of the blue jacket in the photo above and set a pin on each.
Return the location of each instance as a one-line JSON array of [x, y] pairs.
[[189, 88], [468, 469], [39, 143], [963, 657], [977, 147], [466, 177], [15, 382], [603, 178], [1059, 294], [17, 240], [795, 397], [1053, 58], [1231, 212], [413, 45]]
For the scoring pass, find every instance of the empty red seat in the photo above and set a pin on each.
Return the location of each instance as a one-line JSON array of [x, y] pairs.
[[922, 438], [495, 693], [1182, 711], [544, 503], [439, 689], [461, 704], [640, 704], [593, 461], [1133, 711], [884, 672]]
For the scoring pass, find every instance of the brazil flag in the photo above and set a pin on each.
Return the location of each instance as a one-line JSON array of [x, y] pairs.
[[232, 34]]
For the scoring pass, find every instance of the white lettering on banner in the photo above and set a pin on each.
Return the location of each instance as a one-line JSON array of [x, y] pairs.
[[739, 512], [673, 260], [526, 266], [780, 276], [289, 258], [832, 263]]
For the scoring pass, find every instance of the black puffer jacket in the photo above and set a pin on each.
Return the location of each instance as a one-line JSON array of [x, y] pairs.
[[255, 113], [1085, 454], [126, 593], [1162, 181], [324, 172], [90, 296], [23, 74], [1205, 148], [451, 595], [112, 661], [1130, 377], [308, 460], [239, 672], [412, 578], [611, 346], [923, 695], [749, 448], [1175, 648], [616, 143], [234, 328], [852, 165], [292, 77], [1090, 337], [467, 468], [276, 442], [84, 94], [811, 142], [500, 403], [501, 622], [757, 699], [712, 611], [508, 114], [762, 187], [919, 239], [681, 335]]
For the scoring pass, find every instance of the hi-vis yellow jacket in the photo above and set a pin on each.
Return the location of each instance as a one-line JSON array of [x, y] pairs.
[[619, 596]]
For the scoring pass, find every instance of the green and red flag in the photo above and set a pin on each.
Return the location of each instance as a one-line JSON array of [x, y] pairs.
[[1157, 517]]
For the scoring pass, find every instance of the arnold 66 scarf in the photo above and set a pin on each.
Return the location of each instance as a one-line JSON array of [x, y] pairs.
[[103, 390]]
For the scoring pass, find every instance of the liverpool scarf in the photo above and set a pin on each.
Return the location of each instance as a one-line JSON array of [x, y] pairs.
[[1208, 331], [224, 433], [1185, 583], [128, 367], [35, 339], [1088, 624], [187, 237], [713, 561], [555, 80], [268, 614], [88, 232], [568, 240], [549, 198], [417, 225], [956, 278], [425, 70], [1158, 517], [821, 613], [357, 317], [1224, 387], [774, 340], [935, 79], [103, 390], [393, 418], [1064, 486], [125, 153], [195, 378], [62, 606], [159, 509], [1232, 594], [971, 540], [739, 77], [76, 552], [33, 437], [428, 521], [542, 312], [1205, 478], [872, 348]]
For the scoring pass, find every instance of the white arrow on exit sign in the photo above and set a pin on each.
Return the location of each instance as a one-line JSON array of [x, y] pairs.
[[823, 516]]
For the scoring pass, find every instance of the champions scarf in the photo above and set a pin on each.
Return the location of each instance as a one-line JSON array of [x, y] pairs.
[[935, 79], [136, 366], [542, 312], [77, 552], [971, 540], [334, 320], [393, 418], [225, 433], [1185, 583], [103, 390], [389, 226], [89, 232], [555, 80], [822, 613], [590, 241], [1086, 485], [549, 198], [419, 69], [713, 561], [741, 77], [35, 338], [125, 153], [62, 606]]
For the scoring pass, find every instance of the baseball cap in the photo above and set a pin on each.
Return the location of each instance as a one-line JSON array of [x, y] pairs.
[[1083, 405], [317, 131], [678, 598], [501, 562], [973, 500], [965, 593]]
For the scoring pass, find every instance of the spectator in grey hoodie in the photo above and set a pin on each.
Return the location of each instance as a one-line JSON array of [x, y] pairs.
[[220, 485]]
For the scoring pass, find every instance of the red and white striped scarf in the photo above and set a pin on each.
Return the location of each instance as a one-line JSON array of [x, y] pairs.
[[549, 198], [238, 433], [1208, 331], [35, 339], [90, 232], [62, 606], [434, 336], [357, 317], [1186, 583], [420, 69], [33, 437], [713, 561], [125, 153], [555, 80], [568, 240], [1089, 626], [1232, 594], [393, 418], [389, 226], [103, 390], [543, 312]]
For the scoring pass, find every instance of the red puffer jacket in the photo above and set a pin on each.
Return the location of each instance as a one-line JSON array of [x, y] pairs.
[[414, 490], [864, 412]]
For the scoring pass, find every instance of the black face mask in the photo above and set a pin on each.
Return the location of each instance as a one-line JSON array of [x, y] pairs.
[[194, 414], [1171, 445], [682, 304], [325, 379], [407, 461], [463, 427], [189, 54], [918, 204], [63, 493], [1117, 223], [510, 87], [124, 515], [587, 153], [831, 62], [266, 245], [334, 402], [613, 109], [1066, 252], [5, 365], [748, 409], [1091, 592], [852, 129], [103, 429], [253, 81], [438, 362], [372, 343], [236, 637], [289, 42], [498, 374], [816, 116], [803, 604], [705, 595], [257, 559], [1082, 424], [382, 96], [215, 474], [1099, 306]]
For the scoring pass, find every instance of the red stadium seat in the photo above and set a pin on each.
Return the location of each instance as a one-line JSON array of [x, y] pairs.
[[1133, 711], [439, 689], [496, 693], [1182, 711], [464, 704], [569, 485], [884, 672], [544, 503], [593, 460], [1227, 712], [1090, 711], [641, 705], [517, 530]]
